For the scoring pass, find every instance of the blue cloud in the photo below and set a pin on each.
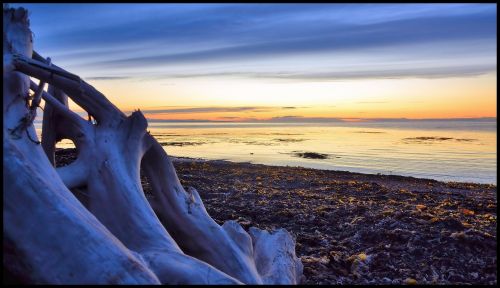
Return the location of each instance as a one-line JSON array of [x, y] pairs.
[[118, 38], [336, 38]]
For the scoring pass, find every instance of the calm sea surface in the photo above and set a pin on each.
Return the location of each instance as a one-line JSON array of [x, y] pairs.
[[462, 151]]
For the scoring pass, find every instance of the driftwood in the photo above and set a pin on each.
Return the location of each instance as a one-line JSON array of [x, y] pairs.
[[111, 234]]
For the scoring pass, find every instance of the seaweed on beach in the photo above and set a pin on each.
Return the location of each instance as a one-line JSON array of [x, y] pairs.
[[310, 155], [353, 228]]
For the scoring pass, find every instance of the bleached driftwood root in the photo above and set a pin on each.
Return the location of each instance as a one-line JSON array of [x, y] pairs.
[[112, 234], [49, 236]]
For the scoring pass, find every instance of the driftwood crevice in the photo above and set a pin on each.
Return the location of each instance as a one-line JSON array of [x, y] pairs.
[[114, 234]]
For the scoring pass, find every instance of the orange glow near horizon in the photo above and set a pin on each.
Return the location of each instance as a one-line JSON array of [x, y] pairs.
[[464, 97]]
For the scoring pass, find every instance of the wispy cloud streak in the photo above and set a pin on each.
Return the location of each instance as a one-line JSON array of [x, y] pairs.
[[159, 110], [117, 38]]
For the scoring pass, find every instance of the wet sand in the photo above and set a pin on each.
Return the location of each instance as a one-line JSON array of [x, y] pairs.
[[354, 228]]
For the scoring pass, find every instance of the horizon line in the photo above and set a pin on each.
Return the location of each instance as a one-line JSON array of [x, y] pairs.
[[320, 120], [299, 119]]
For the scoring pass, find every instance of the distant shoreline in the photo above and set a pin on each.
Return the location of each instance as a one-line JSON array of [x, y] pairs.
[[308, 120], [319, 120]]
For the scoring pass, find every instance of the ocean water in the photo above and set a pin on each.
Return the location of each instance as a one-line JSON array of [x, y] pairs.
[[463, 151]]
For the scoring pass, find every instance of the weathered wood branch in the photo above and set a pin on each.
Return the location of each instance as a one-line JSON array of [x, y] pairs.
[[59, 103], [78, 90], [110, 230], [187, 220], [37, 97]]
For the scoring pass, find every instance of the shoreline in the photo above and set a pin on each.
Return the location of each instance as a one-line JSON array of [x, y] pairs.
[[355, 228], [367, 175], [355, 170]]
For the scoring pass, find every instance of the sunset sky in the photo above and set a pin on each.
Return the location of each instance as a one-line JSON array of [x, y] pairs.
[[237, 62]]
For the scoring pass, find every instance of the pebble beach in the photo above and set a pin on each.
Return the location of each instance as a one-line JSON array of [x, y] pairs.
[[353, 228]]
